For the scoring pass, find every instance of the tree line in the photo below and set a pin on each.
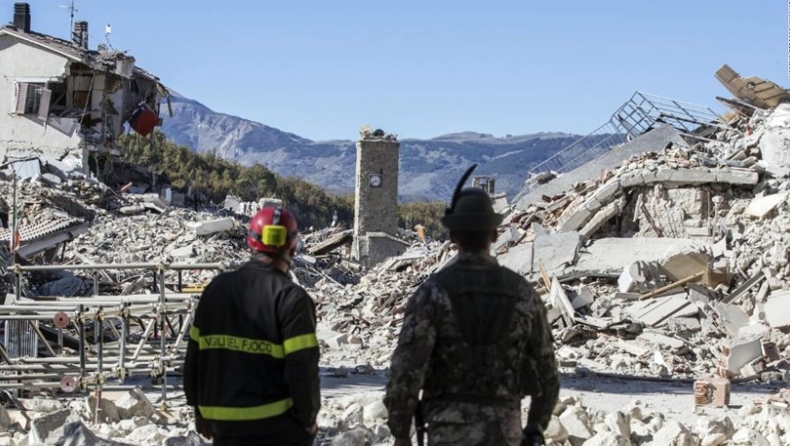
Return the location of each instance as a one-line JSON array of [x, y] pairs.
[[215, 178]]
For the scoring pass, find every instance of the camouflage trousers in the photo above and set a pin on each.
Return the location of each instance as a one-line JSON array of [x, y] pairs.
[[466, 424]]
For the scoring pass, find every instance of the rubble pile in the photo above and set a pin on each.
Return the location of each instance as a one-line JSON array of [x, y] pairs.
[[673, 264], [127, 419], [363, 320]]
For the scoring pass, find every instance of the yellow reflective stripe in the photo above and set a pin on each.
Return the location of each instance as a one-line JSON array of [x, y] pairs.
[[246, 413], [194, 333], [246, 345], [302, 342]]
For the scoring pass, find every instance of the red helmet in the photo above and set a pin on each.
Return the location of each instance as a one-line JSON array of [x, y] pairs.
[[272, 230]]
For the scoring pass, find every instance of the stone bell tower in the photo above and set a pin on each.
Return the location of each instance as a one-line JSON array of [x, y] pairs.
[[376, 198]]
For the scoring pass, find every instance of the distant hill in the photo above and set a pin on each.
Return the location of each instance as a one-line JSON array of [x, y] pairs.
[[429, 169]]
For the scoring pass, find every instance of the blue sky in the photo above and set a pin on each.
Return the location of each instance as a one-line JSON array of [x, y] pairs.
[[420, 69]]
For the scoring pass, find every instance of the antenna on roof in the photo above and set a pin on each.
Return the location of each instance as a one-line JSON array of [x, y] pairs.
[[72, 7], [107, 32]]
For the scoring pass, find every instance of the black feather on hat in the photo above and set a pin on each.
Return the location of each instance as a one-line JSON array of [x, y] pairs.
[[471, 209]]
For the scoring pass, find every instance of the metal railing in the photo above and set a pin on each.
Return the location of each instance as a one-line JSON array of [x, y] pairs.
[[640, 114], [89, 340]]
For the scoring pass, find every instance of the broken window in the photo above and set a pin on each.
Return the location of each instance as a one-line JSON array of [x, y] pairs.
[[33, 99]]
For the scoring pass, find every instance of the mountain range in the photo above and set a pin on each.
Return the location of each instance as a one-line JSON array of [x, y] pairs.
[[429, 168]]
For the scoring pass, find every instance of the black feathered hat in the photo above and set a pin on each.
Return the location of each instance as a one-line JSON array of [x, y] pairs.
[[471, 209]]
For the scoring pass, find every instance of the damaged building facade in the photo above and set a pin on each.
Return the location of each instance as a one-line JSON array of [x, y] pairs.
[[63, 99]]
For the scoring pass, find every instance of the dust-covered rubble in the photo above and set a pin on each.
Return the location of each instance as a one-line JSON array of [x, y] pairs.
[[671, 267]]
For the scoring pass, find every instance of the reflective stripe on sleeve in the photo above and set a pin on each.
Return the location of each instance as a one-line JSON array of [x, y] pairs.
[[246, 413], [238, 344], [194, 333], [301, 342]]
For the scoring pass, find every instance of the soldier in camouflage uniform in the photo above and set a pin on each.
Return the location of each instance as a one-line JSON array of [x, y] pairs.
[[476, 341]]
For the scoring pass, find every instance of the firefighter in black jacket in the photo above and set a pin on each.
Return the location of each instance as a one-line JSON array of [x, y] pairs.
[[251, 369]]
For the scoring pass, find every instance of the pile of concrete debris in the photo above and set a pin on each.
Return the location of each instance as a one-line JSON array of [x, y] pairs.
[[126, 418]]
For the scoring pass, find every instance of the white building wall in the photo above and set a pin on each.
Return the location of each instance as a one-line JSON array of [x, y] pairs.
[[22, 135]]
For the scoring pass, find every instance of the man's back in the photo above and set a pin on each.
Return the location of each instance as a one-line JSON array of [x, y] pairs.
[[475, 339], [254, 355]]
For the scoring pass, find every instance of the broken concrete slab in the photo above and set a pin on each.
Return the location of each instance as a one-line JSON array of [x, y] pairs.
[[559, 300], [47, 429], [556, 251], [211, 226], [740, 352], [776, 309], [653, 312], [601, 217], [732, 317], [762, 206], [518, 258], [611, 255]]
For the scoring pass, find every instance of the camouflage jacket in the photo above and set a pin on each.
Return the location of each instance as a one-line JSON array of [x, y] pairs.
[[431, 340]]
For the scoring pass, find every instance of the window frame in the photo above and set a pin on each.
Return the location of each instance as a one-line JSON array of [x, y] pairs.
[[43, 100]]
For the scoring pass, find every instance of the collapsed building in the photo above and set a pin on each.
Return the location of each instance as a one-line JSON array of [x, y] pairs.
[[662, 257], [67, 101]]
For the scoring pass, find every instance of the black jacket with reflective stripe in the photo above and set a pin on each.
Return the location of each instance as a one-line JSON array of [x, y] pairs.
[[253, 355]]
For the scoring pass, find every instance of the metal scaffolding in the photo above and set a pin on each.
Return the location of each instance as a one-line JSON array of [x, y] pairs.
[[73, 344], [640, 114]]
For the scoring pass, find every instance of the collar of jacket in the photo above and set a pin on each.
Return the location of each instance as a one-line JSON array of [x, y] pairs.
[[262, 266], [476, 257]]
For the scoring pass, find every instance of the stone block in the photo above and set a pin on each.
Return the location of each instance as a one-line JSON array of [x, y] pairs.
[[747, 436], [45, 405], [47, 429], [619, 423], [77, 434], [741, 352], [134, 404], [576, 422], [607, 439], [150, 434], [108, 413], [675, 434], [358, 436], [732, 317], [760, 207], [776, 306], [692, 176], [374, 411], [555, 432]]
